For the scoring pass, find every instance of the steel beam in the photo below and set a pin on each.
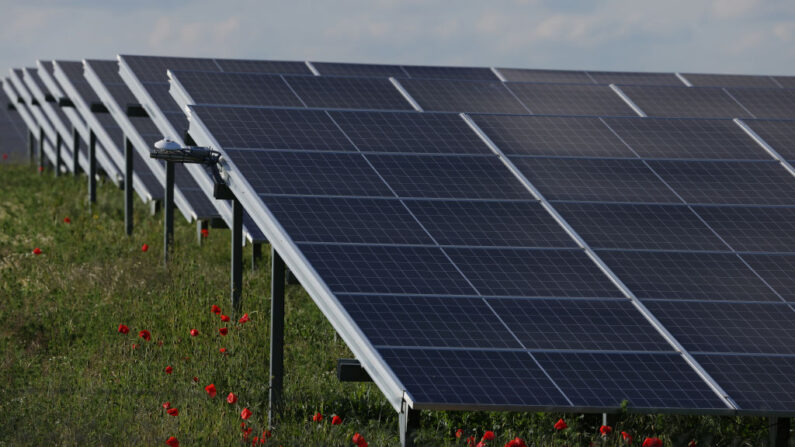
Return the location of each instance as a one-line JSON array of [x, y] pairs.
[[168, 211], [237, 255], [92, 168], [277, 336], [128, 186]]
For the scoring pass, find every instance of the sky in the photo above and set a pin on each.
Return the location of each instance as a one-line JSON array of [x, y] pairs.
[[715, 36]]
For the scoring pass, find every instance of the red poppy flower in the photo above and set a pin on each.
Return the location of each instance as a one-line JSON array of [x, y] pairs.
[[173, 412], [145, 335], [205, 232], [652, 442], [560, 425], [246, 413], [215, 309], [222, 350], [243, 319], [195, 379], [135, 346], [5, 156], [41, 168], [336, 420], [124, 329], [67, 220], [317, 417], [224, 318], [37, 251], [166, 405], [488, 436], [144, 247], [194, 332], [223, 331], [231, 398], [168, 369], [359, 440], [692, 443], [481, 444], [605, 430], [627, 437], [459, 433], [471, 441], [516, 442], [172, 442], [210, 390]]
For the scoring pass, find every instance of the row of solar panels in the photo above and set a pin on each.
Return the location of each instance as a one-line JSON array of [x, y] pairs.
[[506, 261]]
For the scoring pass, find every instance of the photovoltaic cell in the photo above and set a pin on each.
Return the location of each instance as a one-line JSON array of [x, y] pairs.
[[428, 321], [435, 176], [467, 378], [409, 132], [326, 219], [605, 180], [579, 325], [729, 80], [388, 269], [752, 228], [348, 93], [785, 81], [178, 121], [255, 128], [236, 88], [460, 73], [570, 99], [363, 70], [532, 273], [640, 226], [685, 102], [486, 223], [159, 91], [767, 102], [106, 71], [756, 383], [776, 270], [648, 381], [463, 96], [728, 327], [687, 138], [780, 135], [552, 136], [255, 66], [682, 275], [729, 182], [153, 68], [634, 78], [552, 76], [278, 172]]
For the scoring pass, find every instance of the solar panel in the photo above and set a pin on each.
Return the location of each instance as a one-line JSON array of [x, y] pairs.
[[55, 122], [260, 66], [570, 99], [766, 102], [359, 70], [685, 102], [552, 76], [778, 134], [37, 121], [463, 96], [634, 78], [21, 108], [236, 88], [729, 80], [769, 229], [776, 270], [12, 133], [785, 81], [459, 73], [552, 136], [762, 383], [348, 93], [153, 68]]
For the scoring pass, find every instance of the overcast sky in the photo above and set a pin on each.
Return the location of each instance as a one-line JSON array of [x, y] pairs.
[[724, 36]]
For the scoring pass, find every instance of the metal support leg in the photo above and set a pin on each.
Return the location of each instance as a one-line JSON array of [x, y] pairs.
[[58, 147], [92, 168], [75, 152], [32, 148], [277, 336], [41, 150], [154, 207], [201, 225], [256, 255], [128, 186], [409, 424], [237, 255], [168, 211], [779, 432]]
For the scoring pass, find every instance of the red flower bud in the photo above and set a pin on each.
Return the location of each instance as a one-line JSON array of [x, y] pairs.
[[124, 329], [144, 247], [168, 369], [166, 405], [37, 251], [67, 220], [560, 425], [205, 232], [194, 332]]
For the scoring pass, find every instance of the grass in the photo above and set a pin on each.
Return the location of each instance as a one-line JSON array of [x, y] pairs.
[[68, 377]]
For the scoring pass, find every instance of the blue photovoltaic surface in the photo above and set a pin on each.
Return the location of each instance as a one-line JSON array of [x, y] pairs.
[[552, 76], [760, 383], [348, 93], [366, 70], [461, 73], [258, 66], [776, 270], [780, 135], [753, 228], [463, 96], [236, 88], [685, 102], [570, 99], [729, 80], [634, 78], [766, 102]]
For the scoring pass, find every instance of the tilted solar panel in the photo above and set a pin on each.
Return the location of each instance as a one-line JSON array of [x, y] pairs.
[[570, 99], [685, 102], [730, 80]]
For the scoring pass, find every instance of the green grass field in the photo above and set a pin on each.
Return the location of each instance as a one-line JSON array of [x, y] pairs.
[[68, 377]]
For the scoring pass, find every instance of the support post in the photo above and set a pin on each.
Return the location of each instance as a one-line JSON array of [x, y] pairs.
[[201, 225], [75, 152], [256, 255], [237, 255], [779, 432], [128, 186], [154, 207], [58, 146], [41, 150], [409, 420], [92, 168], [168, 211], [32, 147], [277, 336]]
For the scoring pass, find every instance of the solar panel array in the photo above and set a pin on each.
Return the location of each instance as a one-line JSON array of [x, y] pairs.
[[12, 131], [511, 238]]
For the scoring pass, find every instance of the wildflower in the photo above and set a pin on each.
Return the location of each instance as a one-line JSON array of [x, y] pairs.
[[317, 417], [224, 318], [5, 156], [166, 405], [627, 437], [488, 436], [195, 379], [205, 232], [336, 420], [471, 441], [144, 247], [223, 331], [243, 319], [652, 442], [605, 430], [481, 444], [246, 413], [560, 425], [37, 251], [124, 329], [210, 390], [41, 168], [222, 350], [145, 335], [172, 442], [692, 443], [135, 346], [194, 332], [215, 309], [359, 440], [168, 369], [173, 411], [67, 220], [459, 433], [231, 398], [516, 442]]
